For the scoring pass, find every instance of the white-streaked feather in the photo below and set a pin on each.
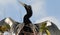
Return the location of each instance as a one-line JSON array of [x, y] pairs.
[[48, 23], [8, 21]]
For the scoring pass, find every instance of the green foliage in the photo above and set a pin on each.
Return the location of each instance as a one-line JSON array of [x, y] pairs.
[[4, 27], [44, 28]]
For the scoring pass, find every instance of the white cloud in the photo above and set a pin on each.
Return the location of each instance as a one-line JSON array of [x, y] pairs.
[[53, 19], [1, 11], [7, 5], [38, 7], [3, 2]]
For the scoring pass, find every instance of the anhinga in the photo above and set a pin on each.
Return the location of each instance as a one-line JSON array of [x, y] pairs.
[[28, 8], [26, 19]]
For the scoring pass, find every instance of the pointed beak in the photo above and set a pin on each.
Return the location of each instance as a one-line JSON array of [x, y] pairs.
[[23, 4]]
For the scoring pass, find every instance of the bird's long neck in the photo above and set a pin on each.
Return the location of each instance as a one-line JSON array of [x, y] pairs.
[[26, 19]]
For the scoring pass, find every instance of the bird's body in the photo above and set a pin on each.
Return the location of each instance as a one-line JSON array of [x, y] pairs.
[[26, 19]]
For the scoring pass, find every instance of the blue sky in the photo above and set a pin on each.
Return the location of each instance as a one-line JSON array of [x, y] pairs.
[[42, 10]]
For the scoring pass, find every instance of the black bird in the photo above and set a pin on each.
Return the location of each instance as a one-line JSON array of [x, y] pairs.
[[28, 15], [26, 19]]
